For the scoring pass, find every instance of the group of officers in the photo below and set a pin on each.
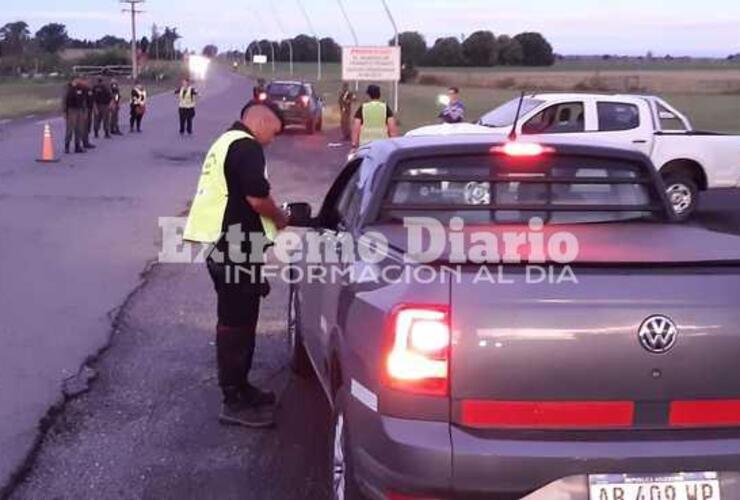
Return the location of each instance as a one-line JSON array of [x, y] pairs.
[[89, 107]]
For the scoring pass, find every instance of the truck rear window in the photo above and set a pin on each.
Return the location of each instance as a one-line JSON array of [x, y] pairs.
[[498, 189]]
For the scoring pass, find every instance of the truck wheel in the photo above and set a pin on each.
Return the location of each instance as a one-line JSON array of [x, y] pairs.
[[343, 483], [683, 194], [310, 126], [320, 124], [300, 363]]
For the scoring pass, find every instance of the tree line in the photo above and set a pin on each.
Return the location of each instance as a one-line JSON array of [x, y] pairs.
[[305, 49], [22, 51], [481, 48]]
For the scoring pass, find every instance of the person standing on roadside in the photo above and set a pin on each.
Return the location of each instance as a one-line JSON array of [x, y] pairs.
[[115, 108], [103, 98], [374, 120], [454, 111], [232, 208], [74, 107], [186, 95], [138, 107], [346, 100], [86, 122]]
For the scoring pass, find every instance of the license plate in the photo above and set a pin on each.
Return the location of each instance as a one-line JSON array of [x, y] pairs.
[[285, 105], [678, 486]]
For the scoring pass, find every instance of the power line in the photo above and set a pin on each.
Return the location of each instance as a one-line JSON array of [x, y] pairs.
[[310, 26], [283, 34], [395, 29]]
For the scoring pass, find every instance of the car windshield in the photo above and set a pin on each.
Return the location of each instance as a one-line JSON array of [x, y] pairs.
[[499, 189], [504, 115], [285, 89]]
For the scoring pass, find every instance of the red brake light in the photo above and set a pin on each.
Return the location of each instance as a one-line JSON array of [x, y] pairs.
[[262, 96], [305, 100], [417, 353], [526, 149]]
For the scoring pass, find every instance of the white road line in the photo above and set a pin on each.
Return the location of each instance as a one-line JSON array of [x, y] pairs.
[[3, 122]]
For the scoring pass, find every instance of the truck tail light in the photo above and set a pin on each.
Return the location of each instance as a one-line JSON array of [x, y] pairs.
[[305, 100], [417, 350], [522, 149]]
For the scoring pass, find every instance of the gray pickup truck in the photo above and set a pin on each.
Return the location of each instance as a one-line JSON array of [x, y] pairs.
[[611, 374]]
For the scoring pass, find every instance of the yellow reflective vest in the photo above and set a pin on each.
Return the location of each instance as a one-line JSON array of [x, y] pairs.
[[187, 98], [205, 221], [374, 122]]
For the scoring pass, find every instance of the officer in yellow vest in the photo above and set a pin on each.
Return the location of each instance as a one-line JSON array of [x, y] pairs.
[[186, 96], [374, 120], [234, 211]]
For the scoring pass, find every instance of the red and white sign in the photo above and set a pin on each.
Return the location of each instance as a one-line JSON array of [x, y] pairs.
[[377, 64]]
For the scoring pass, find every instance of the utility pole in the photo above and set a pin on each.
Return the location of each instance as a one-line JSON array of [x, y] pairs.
[[132, 9], [395, 29], [313, 31]]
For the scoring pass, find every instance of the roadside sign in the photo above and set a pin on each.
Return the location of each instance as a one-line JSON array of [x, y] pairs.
[[259, 59], [377, 64]]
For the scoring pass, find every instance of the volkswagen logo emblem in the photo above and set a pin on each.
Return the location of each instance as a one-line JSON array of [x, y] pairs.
[[658, 334]]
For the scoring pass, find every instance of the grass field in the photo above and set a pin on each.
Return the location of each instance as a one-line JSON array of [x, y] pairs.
[[20, 98], [708, 111]]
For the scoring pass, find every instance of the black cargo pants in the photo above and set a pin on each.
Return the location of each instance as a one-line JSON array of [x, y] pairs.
[[239, 291]]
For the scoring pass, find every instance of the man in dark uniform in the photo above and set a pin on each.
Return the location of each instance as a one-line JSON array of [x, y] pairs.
[[249, 205], [103, 98], [74, 99], [346, 99], [86, 122], [115, 108], [259, 91]]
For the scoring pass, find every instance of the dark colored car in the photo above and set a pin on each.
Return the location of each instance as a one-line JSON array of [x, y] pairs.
[[299, 103], [620, 386]]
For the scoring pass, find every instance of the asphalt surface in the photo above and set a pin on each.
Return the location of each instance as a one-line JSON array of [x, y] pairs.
[[77, 236], [78, 289]]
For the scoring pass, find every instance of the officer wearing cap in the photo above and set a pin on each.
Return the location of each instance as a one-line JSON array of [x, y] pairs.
[[234, 211], [374, 120]]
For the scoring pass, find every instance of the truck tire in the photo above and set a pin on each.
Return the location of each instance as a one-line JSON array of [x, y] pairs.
[[300, 362], [343, 485], [683, 194], [310, 126], [320, 124]]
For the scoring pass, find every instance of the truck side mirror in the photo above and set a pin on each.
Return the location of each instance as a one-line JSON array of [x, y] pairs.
[[299, 215]]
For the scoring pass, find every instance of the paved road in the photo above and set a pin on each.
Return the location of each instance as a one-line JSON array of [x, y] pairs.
[[148, 427], [78, 234]]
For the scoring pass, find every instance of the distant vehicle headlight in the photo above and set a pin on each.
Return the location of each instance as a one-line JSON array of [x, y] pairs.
[[198, 66]]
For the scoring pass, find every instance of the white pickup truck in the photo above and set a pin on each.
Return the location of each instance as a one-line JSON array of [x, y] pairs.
[[688, 160]]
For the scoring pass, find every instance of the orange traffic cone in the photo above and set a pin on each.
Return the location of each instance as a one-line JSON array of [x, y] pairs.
[[47, 149]]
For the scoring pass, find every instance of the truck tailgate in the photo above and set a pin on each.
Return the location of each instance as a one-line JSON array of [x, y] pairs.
[[519, 341]]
